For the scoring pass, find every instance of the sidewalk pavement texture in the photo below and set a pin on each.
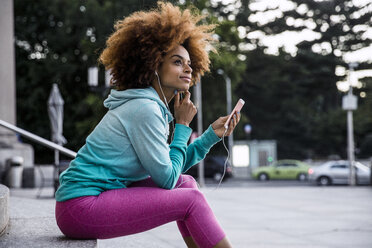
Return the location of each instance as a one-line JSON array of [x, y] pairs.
[[251, 215]]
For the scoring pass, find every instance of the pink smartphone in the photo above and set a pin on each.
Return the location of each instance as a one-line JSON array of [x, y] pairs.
[[238, 107]]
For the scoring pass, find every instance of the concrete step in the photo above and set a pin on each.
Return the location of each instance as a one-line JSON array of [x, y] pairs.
[[32, 224], [39, 232], [4, 215]]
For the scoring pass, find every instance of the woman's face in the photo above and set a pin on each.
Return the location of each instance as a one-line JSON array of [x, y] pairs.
[[175, 70]]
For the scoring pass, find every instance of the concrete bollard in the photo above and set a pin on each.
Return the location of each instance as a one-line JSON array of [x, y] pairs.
[[15, 171]]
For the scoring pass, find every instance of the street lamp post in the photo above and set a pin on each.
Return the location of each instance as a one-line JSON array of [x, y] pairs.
[[198, 103], [349, 103], [228, 104]]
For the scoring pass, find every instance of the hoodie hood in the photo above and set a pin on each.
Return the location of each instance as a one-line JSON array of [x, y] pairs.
[[118, 98]]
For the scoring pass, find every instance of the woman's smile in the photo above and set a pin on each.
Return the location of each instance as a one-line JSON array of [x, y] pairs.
[[186, 78]]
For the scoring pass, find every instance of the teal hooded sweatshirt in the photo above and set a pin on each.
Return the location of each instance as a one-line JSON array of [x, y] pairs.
[[130, 144]]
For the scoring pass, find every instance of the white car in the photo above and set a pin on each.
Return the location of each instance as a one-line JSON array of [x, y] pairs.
[[337, 172]]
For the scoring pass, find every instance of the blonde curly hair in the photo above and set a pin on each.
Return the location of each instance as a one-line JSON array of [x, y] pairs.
[[136, 48]]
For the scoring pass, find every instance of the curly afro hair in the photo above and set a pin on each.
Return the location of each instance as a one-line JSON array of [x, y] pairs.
[[136, 48]]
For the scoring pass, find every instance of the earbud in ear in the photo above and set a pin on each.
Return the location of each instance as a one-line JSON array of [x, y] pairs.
[[156, 73]]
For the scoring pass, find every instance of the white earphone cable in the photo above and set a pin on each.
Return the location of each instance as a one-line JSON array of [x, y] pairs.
[[227, 159], [166, 103], [224, 166], [223, 141], [165, 100]]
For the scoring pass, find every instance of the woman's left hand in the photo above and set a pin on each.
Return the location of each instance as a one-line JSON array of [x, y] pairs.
[[218, 125]]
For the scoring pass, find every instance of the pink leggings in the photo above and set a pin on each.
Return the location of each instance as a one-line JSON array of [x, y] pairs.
[[138, 208]]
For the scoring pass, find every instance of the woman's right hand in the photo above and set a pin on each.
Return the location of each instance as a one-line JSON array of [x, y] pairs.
[[184, 110]]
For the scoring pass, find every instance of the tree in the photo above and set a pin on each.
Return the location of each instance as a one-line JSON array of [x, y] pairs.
[[312, 123], [363, 120], [56, 43], [228, 58]]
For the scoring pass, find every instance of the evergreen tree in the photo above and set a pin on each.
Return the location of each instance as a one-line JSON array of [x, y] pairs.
[[312, 122], [56, 42]]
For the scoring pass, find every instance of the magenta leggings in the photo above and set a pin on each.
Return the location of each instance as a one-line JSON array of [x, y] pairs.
[[138, 208]]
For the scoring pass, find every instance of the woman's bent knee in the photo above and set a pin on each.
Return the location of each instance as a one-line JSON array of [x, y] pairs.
[[186, 181]]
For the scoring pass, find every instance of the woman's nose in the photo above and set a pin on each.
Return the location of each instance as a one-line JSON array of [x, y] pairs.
[[188, 69]]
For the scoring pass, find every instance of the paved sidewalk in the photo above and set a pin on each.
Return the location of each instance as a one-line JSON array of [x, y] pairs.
[[258, 216], [32, 223]]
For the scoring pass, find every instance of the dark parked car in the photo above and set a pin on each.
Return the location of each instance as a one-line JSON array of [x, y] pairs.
[[213, 168]]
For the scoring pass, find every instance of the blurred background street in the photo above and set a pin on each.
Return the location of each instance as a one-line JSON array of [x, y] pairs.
[[303, 68], [254, 214], [278, 214]]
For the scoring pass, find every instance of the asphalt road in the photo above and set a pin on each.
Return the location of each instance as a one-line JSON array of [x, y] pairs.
[[245, 182], [253, 214], [276, 214]]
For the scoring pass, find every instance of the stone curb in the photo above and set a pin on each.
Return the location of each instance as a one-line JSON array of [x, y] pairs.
[[4, 215], [39, 232]]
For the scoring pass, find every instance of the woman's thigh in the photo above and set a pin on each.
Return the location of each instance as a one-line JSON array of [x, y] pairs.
[[124, 211], [184, 181]]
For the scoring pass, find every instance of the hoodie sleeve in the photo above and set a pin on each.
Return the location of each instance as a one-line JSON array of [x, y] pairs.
[[147, 133], [198, 149]]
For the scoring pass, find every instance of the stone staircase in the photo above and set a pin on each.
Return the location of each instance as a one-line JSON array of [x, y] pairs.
[[29, 222]]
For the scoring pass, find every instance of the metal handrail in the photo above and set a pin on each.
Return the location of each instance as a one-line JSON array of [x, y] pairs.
[[38, 139]]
